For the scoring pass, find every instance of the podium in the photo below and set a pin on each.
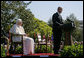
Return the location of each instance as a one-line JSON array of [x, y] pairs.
[[68, 29]]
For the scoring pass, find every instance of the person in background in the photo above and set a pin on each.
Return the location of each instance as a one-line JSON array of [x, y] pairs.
[[39, 36], [43, 38]]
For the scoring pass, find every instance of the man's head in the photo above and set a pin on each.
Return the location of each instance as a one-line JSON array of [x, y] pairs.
[[59, 9], [19, 22]]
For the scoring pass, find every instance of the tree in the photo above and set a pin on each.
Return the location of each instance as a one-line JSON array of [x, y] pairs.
[[12, 10], [50, 23], [41, 27], [77, 33]]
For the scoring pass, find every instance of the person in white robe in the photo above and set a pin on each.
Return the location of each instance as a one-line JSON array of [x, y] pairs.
[[28, 43]]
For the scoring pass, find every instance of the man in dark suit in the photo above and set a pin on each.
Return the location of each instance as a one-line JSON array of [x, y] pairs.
[[57, 32]]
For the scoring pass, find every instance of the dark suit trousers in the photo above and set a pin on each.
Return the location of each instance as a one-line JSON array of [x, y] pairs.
[[57, 33]]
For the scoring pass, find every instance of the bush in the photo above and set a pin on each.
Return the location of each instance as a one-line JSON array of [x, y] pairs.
[[3, 51], [72, 51], [19, 50], [43, 49], [37, 50]]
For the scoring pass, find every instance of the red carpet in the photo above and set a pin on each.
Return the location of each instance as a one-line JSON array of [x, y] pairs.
[[37, 54], [50, 54]]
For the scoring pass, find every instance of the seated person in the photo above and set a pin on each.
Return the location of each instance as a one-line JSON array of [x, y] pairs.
[[28, 43], [39, 37]]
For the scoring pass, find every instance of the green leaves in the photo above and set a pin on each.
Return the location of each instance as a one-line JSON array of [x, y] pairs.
[[41, 27], [11, 10], [3, 51], [43, 49], [19, 50], [72, 51]]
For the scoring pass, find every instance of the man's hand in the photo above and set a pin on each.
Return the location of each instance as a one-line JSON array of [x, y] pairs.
[[26, 34], [61, 25]]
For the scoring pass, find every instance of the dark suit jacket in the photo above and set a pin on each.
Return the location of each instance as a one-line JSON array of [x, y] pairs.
[[57, 20]]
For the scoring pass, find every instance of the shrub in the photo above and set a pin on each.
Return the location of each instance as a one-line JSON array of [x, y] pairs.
[[43, 49], [19, 50], [37, 50], [72, 51], [3, 51]]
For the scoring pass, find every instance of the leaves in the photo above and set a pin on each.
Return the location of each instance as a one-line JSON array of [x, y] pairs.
[[72, 51], [3, 51], [11, 10], [43, 49], [42, 27]]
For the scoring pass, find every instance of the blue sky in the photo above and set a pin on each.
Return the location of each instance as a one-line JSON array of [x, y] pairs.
[[44, 10]]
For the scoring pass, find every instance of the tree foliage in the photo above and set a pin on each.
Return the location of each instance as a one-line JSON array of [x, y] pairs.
[[11, 10], [41, 27], [50, 22], [77, 33]]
